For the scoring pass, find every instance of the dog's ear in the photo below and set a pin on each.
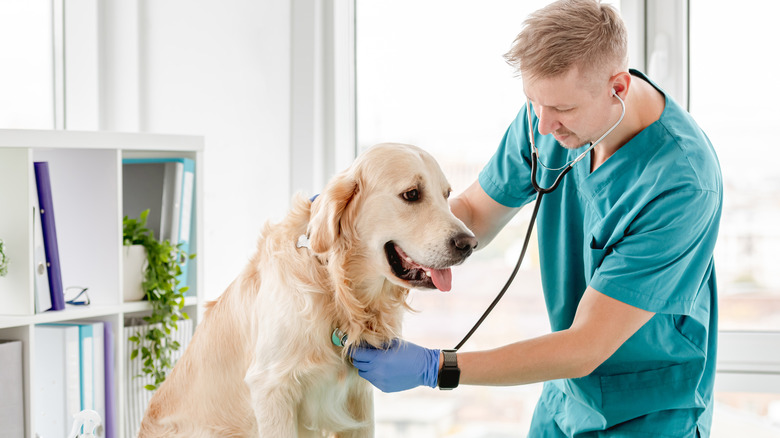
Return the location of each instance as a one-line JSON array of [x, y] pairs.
[[327, 213]]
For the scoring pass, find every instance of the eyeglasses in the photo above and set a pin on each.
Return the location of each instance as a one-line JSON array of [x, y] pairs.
[[73, 295]]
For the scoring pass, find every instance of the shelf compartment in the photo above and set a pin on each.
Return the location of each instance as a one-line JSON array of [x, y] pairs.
[[85, 188]]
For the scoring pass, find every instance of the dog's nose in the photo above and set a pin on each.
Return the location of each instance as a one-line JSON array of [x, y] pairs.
[[463, 244]]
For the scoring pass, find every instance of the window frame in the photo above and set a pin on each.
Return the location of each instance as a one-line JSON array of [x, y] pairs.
[[322, 96]]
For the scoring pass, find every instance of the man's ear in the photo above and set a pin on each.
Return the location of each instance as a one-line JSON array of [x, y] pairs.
[[620, 83], [327, 212]]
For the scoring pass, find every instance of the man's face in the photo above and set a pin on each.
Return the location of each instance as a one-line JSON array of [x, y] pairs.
[[574, 109]]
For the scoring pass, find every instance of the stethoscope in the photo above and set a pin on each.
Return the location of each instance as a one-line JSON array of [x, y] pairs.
[[539, 192]]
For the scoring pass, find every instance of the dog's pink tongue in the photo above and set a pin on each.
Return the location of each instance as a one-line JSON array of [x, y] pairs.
[[442, 279]]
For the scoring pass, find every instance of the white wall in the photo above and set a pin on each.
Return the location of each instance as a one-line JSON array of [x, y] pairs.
[[245, 74], [222, 70]]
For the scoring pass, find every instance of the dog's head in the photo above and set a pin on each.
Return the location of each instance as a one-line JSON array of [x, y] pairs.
[[389, 212]]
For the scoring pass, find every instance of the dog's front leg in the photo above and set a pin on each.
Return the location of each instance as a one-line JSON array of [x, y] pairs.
[[274, 404], [361, 405]]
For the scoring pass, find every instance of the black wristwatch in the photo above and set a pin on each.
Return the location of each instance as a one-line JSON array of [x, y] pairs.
[[449, 374]]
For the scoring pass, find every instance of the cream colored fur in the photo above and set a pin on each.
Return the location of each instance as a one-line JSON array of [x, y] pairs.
[[261, 363]]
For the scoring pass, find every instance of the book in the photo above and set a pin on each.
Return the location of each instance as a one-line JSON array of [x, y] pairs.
[[109, 420], [152, 186], [41, 273], [99, 369], [93, 365], [11, 388], [86, 366], [56, 379], [90, 360], [51, 249], [165, 186]]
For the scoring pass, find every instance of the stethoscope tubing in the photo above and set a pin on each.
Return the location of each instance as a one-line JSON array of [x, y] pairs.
[[540, 191], [500, 295]]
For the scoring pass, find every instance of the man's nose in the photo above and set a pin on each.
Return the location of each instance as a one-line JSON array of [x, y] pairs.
[[547, 121]]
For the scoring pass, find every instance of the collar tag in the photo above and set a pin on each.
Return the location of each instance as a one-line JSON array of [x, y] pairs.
[[303, 241]]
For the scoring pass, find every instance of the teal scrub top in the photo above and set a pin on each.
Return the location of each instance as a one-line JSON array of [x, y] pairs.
[[640, 229]]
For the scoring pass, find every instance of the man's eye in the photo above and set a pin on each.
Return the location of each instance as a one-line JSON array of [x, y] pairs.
[[411, 195]]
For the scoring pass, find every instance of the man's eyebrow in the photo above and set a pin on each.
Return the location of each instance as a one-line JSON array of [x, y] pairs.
[[558, 107]]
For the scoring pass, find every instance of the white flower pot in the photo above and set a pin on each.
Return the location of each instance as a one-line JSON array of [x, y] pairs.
[[134, 264]]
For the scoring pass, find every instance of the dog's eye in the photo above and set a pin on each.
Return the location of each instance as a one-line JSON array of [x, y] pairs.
[[411, 195]]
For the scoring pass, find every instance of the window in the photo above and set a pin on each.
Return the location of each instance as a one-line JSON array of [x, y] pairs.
[[733, 96], [26, 54]]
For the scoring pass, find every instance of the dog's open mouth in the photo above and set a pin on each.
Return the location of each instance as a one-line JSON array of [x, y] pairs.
[[416, 274]]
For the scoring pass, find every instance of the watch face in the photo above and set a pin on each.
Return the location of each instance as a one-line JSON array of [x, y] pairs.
[[449, 375], [449, 378]]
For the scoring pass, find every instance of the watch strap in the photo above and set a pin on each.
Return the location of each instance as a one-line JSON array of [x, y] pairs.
[[449, 374]]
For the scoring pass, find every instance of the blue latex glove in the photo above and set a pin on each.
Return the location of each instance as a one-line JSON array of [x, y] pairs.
[[400, 366]]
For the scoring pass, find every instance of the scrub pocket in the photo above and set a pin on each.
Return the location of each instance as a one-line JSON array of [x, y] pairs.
[[594, 255], [662, 402], [577, 405], [631, 395]]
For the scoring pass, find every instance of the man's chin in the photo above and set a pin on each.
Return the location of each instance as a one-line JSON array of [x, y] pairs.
[[569, 141]]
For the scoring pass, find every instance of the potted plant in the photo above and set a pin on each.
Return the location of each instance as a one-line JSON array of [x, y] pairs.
[[134, 262], [3, 260], [161, 288]]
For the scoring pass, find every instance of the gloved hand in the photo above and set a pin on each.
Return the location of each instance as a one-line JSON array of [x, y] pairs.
[[400, 366]]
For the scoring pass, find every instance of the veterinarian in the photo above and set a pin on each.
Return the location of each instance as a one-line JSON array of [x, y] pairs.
[[625, 242]]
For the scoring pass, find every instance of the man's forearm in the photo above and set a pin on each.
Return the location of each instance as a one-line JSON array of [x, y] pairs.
[[601, 325], [557, 355]]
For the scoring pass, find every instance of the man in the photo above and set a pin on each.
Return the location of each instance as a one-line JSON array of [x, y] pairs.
[[625, 243]]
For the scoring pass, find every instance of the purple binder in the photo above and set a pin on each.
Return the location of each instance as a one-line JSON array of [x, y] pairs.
[[49, 235], [109, 423]]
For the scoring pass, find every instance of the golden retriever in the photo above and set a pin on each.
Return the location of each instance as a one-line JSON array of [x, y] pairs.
[[262, 363]]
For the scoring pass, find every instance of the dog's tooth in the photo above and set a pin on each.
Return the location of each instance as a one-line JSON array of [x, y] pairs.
[[408, 259], [428, 272]]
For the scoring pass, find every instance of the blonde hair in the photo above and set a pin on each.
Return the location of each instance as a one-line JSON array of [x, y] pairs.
[[585, 34]]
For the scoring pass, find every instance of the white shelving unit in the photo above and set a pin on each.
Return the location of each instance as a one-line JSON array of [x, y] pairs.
[[86, 173]]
